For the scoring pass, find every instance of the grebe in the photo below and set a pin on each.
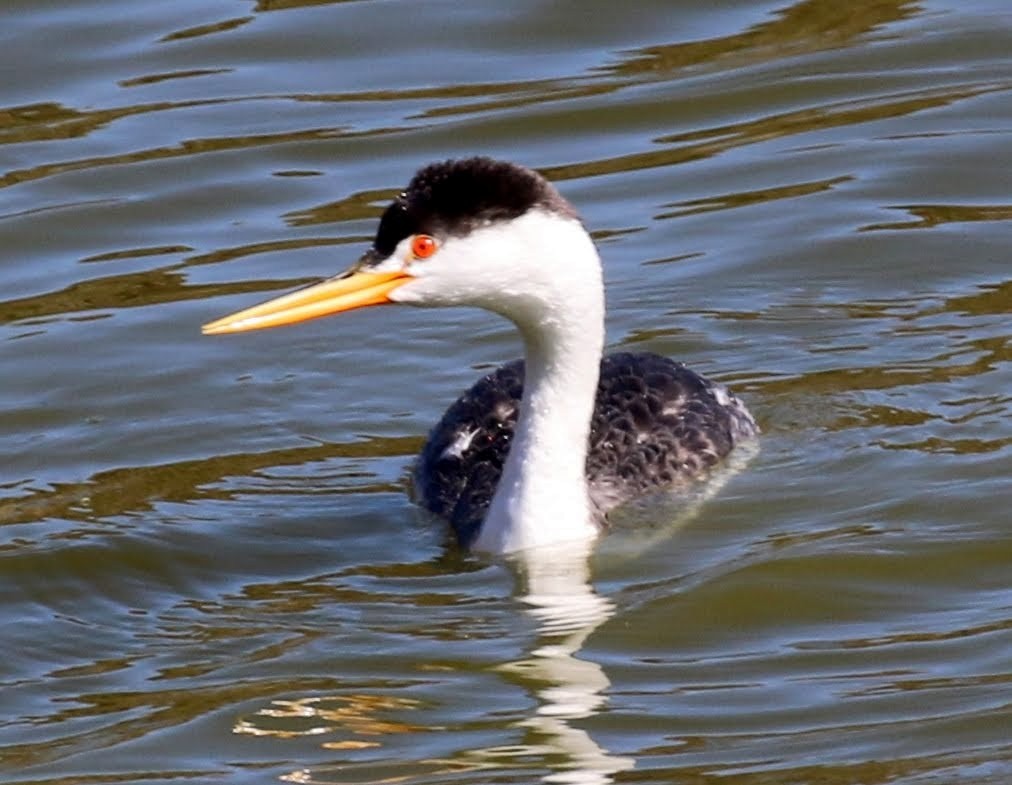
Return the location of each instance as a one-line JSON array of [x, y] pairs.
[[539, 450]]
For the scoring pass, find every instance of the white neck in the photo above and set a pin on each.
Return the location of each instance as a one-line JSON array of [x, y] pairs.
[[542, 497]]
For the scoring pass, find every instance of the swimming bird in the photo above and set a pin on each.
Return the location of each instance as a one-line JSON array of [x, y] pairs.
[[538, 451]]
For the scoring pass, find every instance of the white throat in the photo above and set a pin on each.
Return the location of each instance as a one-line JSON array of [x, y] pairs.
[[542, 497]]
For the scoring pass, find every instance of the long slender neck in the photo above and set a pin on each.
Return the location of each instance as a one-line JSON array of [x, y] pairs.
[[542, 496]]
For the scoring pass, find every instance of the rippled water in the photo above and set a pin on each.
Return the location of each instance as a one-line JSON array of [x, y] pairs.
[[210, 570]]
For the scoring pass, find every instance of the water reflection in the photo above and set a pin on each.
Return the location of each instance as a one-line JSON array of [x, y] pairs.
[[185, 148], [928, 216], [158, 285], [556, 591], [808, 26], [700, 144], [209, 29], [130, 490], [359, 714], [811, 26]]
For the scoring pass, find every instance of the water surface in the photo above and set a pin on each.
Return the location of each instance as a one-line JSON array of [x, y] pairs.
[[210, 568]]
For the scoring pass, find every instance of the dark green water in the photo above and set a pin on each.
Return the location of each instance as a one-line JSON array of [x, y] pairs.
[[209, 570]]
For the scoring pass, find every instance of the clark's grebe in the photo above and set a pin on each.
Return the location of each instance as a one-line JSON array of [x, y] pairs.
[[539, 450]]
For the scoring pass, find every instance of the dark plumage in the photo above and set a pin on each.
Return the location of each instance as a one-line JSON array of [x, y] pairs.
[[656, 425], [452, 198]]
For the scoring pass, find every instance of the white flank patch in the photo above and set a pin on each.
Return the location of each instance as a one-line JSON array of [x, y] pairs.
[[460, 443]]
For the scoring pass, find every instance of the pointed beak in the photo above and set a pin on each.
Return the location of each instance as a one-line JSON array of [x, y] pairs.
[[354, 289]]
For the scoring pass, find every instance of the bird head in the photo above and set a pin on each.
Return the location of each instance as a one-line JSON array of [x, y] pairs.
[[469, 232]]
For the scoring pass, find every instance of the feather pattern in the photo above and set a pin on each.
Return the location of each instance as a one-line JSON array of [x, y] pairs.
[[656, 426]]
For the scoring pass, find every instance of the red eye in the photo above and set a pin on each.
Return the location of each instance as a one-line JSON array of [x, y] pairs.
[[423, 246]]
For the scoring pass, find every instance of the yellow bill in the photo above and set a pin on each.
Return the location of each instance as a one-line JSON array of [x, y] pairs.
[[343, 293]]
